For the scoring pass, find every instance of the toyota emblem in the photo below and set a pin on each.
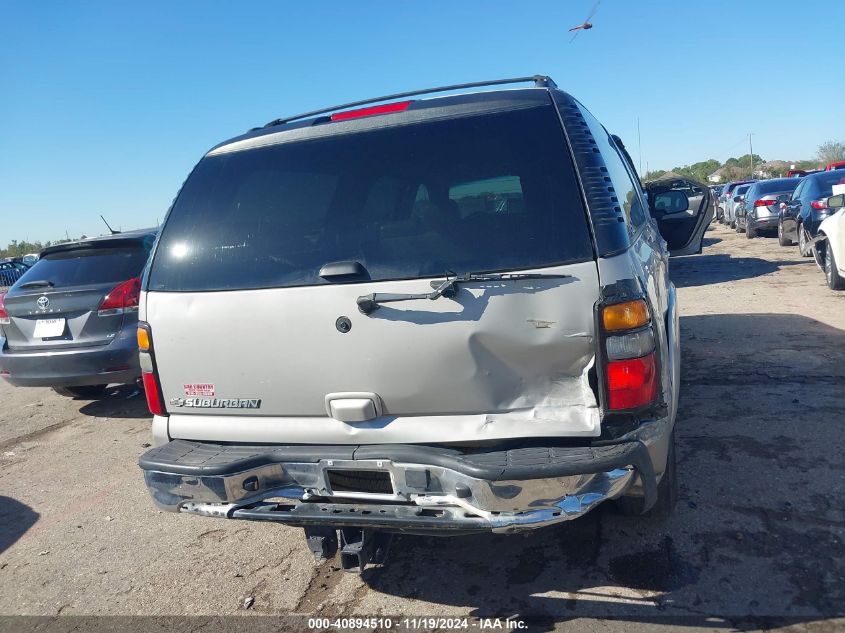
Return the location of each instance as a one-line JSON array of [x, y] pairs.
[[43, 303]]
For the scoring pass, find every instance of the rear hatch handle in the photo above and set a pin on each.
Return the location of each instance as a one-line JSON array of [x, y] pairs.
[[446, 288]]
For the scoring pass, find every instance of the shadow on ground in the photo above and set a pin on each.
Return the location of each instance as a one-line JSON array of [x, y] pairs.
[[120, 401], [15, 519], [701, 270], [738, 547]]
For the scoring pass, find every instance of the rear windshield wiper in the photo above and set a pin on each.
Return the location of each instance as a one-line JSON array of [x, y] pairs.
[[41, 283], [371, 302]]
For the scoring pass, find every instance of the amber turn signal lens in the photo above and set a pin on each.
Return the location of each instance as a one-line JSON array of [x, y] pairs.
[[625, 316], [143, 340]]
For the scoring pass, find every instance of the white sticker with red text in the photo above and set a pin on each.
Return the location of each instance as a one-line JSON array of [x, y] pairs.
[[199, 389]]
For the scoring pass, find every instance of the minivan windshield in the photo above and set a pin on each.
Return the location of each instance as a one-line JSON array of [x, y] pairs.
[[487, 192]]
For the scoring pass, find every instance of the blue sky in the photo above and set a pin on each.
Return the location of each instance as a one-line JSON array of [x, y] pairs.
[[106, 106]]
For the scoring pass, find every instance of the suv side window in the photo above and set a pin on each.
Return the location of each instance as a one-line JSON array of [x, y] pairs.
[[626, 192], [797, 193]]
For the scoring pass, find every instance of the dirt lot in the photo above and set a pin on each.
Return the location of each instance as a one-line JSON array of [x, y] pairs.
[[757, 538]]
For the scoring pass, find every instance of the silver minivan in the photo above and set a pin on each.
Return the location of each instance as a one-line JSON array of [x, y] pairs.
[[438, 315]]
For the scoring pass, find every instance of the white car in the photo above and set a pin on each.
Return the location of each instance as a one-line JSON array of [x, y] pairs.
[[829, 244], [736, 198]]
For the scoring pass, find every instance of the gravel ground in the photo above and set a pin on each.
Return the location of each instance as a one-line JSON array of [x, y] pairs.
[[756, 541]]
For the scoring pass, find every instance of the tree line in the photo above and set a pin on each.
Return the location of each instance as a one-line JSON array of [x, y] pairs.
[[20, 248], [744, 167]]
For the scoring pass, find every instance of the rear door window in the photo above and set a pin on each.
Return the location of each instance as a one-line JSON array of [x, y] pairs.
[[89, 266], [486, 192]]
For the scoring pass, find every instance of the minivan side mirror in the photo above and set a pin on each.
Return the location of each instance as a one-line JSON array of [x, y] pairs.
[[784, 197], [738, 198], [834, 202]]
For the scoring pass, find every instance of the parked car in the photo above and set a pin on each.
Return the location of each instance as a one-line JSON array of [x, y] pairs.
[[834, 166], [829, 244], [716, 191], [725, 197], [30, 259], [345, 327], [734, 200], [760, 208], [801, 216], [11, 271], [69, 322]]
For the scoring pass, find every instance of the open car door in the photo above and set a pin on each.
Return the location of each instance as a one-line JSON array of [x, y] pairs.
[[683, 209]]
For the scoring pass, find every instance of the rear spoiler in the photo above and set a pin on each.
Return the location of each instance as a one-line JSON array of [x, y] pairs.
[[116, 241]]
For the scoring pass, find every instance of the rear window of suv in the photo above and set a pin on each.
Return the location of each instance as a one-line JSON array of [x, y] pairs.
[[89, 266], [485, 192]]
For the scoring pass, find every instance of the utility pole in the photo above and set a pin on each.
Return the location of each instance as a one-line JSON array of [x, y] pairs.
[[751, 155], [640, 144]]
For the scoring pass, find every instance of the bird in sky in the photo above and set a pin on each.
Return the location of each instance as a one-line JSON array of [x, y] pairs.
[[586, 25]]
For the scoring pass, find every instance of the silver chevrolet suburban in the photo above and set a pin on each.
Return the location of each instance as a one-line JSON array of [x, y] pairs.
[[441, 315]]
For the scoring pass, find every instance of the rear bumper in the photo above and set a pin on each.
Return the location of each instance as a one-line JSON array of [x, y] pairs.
[[116, 362], [763, 223], [431, 490]]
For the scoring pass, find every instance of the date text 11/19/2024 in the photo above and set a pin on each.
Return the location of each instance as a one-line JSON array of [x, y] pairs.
[[420, 623]]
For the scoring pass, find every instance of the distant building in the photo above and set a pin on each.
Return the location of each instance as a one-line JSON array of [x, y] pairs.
[[718, 176], [772, 169]]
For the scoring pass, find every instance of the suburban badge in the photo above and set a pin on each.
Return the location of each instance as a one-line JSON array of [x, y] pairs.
[[217, 403]]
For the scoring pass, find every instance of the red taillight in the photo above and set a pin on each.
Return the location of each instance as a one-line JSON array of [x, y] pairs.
[[819, 204], [763, 203], [631, 383], [124, 296], [386, 108], [4, 316], [153, 396]]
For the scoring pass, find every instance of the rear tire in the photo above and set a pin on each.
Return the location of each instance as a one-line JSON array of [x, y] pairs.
[[733, 224], [831, 272], [750, 232], [667, 491], [803, 240], [782, 239], [86, 391]]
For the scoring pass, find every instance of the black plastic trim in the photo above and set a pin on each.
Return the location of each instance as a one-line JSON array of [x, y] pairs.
[[609, 225], [186, 457]]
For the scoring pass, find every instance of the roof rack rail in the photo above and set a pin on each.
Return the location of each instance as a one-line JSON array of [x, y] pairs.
[[540, 81]]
